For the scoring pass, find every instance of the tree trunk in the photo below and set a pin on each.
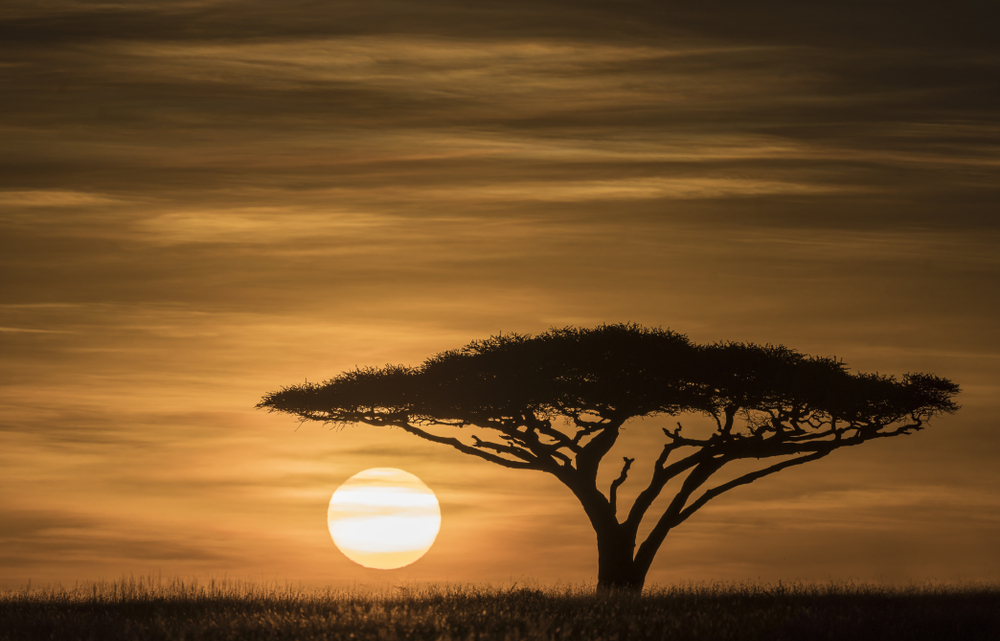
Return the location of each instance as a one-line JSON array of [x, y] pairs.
[[616, 569]]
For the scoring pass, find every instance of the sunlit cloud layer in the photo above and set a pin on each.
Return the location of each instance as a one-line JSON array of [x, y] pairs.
[[203, 201]]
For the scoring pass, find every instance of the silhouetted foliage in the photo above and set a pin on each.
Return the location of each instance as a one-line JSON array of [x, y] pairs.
[[556, 403]]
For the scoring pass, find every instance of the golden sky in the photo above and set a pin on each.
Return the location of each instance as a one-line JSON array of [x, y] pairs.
[[202, 201]]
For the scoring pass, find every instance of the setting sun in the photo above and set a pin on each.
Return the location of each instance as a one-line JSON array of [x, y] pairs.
[[384, 518]]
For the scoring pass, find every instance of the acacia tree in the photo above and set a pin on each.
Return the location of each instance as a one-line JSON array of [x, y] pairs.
[[557, 403]]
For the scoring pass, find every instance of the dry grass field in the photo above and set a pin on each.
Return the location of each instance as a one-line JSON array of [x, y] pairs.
[[153, 609]]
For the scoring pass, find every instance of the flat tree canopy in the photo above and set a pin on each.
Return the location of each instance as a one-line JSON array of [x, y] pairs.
[[557, 402]]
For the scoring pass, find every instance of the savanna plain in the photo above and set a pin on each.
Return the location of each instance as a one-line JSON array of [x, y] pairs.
[[155, 608]]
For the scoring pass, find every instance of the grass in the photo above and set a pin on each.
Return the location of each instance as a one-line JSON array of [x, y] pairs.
[[133, 609]]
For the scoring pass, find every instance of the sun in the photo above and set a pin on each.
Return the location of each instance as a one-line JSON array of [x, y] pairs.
[[383, 518]]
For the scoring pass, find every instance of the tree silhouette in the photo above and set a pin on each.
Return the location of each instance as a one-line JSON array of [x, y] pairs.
[[557, 403]]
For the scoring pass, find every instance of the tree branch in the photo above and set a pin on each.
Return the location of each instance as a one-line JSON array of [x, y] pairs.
[[461, 447], [589, 458], [701, 473], [743, 480], [519, 441], [586, 427], [679, 440], [529, 438], [662, 474], [544, 426], [613, 493], [518, 452]]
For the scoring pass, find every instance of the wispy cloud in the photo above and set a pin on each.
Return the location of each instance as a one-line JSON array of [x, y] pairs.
[[52, 198]]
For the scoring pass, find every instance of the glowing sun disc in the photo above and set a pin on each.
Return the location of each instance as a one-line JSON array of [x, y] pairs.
[[383, 518]]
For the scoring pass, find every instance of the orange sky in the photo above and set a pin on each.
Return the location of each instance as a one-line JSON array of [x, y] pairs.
[[203, 201]]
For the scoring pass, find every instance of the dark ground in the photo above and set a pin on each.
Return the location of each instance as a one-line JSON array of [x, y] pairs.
[[128, 610]]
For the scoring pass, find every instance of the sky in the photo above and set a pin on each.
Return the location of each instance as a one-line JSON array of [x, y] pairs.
[[202, 201]]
